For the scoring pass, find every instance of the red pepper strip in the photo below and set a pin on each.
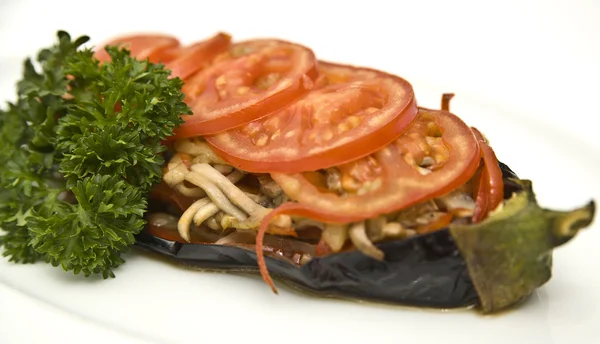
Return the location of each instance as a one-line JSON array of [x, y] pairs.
[[289, 209], [260, 236], [481, 197], [441, 222], [492, 174], [446, 98]]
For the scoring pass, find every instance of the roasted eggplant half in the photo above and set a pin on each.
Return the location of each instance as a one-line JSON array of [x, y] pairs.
[[491, 265]]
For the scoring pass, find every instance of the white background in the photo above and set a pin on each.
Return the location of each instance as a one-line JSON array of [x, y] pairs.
[[539, 61]]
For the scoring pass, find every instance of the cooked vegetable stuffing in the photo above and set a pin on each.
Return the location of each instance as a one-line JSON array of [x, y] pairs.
[[80, 149]]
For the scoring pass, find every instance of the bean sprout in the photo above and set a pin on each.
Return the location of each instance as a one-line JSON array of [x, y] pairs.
[[200, 150], [205, 212], [185, 221], [215, 194], [358, 236]]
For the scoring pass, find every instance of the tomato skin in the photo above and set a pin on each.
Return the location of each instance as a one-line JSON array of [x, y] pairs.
[[316, 132], [228, 94], [401, 185], [153, 47]]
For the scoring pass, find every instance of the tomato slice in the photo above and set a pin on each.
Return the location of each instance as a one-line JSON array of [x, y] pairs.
[[393, 178], [186, 61], [490, 191], [358, 112], [154, 47], [251, 80]]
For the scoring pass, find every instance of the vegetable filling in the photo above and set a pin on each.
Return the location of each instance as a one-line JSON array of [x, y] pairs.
[[232, 203]]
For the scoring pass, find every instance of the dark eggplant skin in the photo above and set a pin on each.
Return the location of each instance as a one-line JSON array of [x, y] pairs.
[[423, 271]]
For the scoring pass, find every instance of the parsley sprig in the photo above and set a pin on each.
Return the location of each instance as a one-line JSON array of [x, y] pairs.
[[80, 150]]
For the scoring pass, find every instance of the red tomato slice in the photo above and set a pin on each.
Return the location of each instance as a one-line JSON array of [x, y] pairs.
[[191, 59], [250, 81], [392, 178], [358, 112], [153, 47]]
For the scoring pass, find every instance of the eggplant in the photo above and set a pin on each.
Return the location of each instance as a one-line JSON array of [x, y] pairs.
[[491, 265]]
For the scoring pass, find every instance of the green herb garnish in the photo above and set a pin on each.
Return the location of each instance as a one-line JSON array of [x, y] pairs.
[[80, 150]]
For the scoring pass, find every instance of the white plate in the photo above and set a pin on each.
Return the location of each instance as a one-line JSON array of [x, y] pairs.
[[517, 94]]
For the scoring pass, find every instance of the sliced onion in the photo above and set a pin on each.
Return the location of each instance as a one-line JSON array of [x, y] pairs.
[[163, 220], [458, 202], [237, 237]]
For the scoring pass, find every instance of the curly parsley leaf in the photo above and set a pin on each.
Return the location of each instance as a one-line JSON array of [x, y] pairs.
[[79, 153], [27, 157], [89, 236], [98, 152]]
